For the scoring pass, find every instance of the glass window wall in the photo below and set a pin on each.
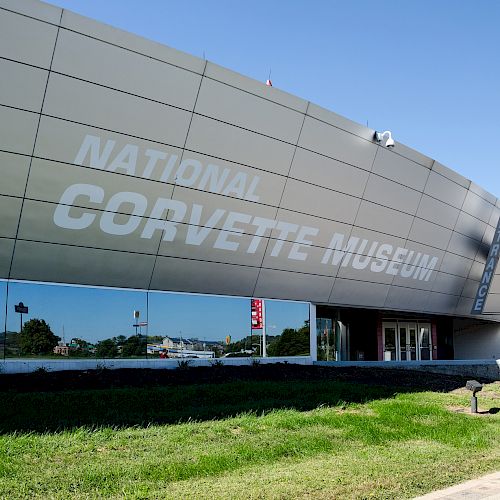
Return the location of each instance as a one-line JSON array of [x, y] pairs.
[[50, 321], [202, 326], [76, 322]]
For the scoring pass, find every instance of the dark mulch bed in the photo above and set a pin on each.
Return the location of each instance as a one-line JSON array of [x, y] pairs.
[[135, 377]]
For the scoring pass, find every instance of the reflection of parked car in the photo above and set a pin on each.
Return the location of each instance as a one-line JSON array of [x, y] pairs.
[[237, 355]]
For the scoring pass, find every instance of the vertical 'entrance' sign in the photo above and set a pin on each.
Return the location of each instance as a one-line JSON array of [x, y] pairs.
[[488, 273]]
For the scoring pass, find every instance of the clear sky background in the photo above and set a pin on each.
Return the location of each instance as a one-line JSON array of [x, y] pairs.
[[428, 70]]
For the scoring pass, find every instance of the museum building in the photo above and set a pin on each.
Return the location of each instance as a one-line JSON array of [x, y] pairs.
[[129, 164]]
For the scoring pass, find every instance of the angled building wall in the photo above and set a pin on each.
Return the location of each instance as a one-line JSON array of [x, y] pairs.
[[126, 163]]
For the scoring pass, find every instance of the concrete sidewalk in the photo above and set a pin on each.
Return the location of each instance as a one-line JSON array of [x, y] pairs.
[[486, 487]]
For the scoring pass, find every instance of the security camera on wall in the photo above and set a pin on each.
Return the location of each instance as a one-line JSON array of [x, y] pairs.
[[389, 143], [378, 136]]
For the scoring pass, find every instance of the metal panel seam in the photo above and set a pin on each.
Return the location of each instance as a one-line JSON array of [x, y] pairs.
[[281, 197], [414, 216], [173, 190], [354, 221], [34, 144]]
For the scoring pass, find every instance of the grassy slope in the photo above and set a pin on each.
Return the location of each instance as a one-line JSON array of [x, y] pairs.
[[392, 447], [41, 411]]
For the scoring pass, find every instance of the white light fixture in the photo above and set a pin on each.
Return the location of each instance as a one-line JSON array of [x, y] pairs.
[[389, 143]]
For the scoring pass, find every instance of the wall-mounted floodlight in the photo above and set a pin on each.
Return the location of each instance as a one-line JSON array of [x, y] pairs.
[[379, 136]]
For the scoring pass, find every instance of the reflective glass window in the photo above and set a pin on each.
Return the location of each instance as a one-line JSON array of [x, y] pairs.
[[76, 322]]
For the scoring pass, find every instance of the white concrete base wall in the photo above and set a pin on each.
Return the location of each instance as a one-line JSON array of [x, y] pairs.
[[31, 365], [485, 368], [472, 340], [473, 368]]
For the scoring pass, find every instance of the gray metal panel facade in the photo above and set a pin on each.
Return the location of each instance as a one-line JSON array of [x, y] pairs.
[[126, 163]]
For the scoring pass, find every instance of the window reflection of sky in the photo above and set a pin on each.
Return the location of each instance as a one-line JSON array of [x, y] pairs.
[[97, 313]]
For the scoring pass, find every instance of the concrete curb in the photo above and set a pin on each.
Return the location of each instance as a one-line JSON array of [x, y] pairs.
[[486, 487]]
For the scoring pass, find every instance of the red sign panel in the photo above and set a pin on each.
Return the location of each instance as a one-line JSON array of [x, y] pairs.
[[257, 314]]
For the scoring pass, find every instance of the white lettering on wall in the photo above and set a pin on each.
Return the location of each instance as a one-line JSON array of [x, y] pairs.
[[176, 210], [130, 213], [300, 241], [335, 252], [159, 165], [198, 233], [125, 161], [188, 172], [115, 203], [91, 146], [263, 226], [284, 228], [230, 229], [124, 213], [62, 217]]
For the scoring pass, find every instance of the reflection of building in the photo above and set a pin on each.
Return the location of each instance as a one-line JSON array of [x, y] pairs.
[[178, 347], [197, 179], [62, 349], [73, 347], [190, 343], [178, 343]]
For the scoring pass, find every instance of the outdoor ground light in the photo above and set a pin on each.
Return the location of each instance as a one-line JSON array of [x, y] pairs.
[[475, 387]]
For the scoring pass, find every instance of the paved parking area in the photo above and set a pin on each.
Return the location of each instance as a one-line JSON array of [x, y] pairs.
[[486, 487]]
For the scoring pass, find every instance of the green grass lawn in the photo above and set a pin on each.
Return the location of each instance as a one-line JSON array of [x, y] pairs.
[[295, 439]]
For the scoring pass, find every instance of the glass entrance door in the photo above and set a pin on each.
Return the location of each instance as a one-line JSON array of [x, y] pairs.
[[412, 352], [406, 341]]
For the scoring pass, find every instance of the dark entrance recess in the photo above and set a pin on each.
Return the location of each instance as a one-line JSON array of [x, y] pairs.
[[444, 328], [352, 334], [354, 331]]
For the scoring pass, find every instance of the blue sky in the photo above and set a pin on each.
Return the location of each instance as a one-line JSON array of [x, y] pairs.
[[426, 70]]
